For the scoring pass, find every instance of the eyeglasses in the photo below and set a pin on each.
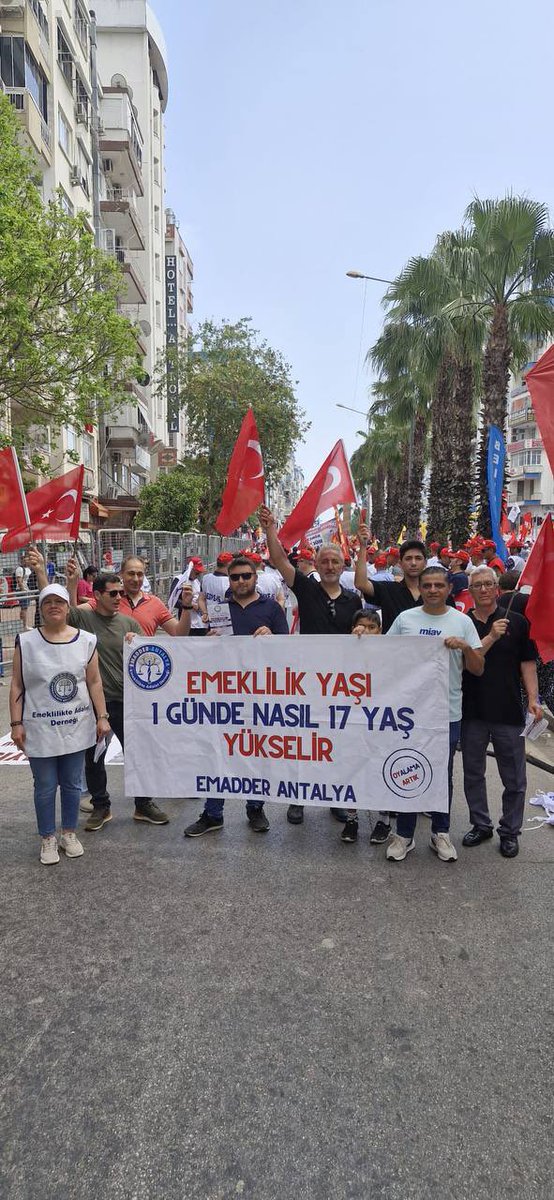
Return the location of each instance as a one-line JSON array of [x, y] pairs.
[[241, 575], [485, 586], [114, 592]]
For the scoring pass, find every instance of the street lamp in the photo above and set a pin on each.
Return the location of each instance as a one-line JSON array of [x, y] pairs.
[[360, 275]]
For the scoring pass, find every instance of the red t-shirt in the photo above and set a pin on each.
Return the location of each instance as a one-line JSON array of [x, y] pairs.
[[150, 613]]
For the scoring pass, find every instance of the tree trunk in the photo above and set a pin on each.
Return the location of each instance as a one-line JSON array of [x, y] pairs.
[[413, 498], [461, 490], [397, 486], [443, 451], [378, 504], [496, 377]]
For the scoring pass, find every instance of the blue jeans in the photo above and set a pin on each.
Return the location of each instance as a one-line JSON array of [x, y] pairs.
[[214, 807], [440, 822], [65, 771]]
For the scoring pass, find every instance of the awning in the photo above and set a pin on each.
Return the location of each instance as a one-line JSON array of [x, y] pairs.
[[98, 510]]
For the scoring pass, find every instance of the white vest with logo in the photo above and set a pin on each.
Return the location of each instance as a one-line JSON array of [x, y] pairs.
[[57, 710]]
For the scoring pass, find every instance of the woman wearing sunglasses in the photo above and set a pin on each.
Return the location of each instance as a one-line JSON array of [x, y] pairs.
[[57, 710]]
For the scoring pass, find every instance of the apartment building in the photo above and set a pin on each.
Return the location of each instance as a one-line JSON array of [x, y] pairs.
[[179, 275], [530, 479], [284, 493], [45, 71]]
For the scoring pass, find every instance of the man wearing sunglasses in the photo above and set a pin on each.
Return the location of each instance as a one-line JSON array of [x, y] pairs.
[[492, 711], [257, 616]]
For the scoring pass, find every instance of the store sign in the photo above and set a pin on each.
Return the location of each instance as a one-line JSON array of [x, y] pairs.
[[172, 342]]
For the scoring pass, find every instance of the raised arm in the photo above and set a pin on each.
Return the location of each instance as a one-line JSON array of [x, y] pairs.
[[36, 562], [277, 555], [361, 581], [181, 627]]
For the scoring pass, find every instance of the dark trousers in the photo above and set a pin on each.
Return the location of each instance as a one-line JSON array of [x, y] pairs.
[[509, 749], [440, 822], [97, 780]]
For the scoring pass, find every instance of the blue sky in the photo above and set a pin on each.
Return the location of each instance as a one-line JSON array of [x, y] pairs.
[[308, 137]]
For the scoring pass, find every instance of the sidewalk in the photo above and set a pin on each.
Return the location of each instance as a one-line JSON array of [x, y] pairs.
[[278, 1017]]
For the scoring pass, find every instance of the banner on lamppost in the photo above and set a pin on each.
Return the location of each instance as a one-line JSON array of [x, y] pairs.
[[359, 722], [496, 457]]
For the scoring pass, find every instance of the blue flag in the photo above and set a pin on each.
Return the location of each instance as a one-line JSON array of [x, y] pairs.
[[496, 457]]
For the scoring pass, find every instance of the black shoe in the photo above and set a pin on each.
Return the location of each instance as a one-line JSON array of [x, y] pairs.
[[97, 819], [380, 834], [150, 812], [477, 834], [257, 820], [339, 815], [204, 824], [509, 847], [350, 831], [295, 814]]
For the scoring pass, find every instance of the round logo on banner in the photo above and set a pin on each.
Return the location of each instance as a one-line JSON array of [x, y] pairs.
[[63, 687], [149, 667], [407, 773]]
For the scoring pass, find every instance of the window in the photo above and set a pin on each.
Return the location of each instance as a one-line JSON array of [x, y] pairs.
[[81, 101], [83, 168], [158, 313], [156, 218], [65, 59], [157, 267], [156, 123], [64, 134], [535, 457], [66, 203], [156, 170], [19, 69], [88, 452], [71, 439], [81, 25]]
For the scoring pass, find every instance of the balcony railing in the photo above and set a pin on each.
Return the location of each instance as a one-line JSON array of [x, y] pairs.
[[40, 18], [122, 255]]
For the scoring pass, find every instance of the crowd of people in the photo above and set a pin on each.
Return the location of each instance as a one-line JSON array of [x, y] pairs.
[[66, 695]]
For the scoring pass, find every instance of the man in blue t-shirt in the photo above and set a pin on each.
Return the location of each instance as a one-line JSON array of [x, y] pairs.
[[259, 616], [436, 619]]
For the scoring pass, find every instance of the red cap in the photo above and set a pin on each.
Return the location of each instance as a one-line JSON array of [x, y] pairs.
[[224, 558], [380, 561], [255, 558], [489, 545], [434, 545], [306, 554], [461, 555], [445, 550], [394, 552], [197, 564]]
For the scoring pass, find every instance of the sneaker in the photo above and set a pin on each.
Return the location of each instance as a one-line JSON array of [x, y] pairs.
[[71, 844], [150, 812], [86, 804], [350, 831], [98, 818], [204, 824], [380, 833], [339, 814], [257, 820], [295, 814], [399, 847], [441, 844], [49, 851]]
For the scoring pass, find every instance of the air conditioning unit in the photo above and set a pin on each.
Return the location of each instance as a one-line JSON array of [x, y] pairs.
[[13, 4], [75, 176], [116, 456], [81, 113], [107, 165]]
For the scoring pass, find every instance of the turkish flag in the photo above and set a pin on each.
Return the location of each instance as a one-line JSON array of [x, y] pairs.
[[13, 506], [54, 512], [332, 485], [538, 573], [540, 383], [244, 489]]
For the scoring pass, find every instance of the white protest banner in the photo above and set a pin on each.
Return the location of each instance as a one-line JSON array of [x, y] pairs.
[[318, 720]]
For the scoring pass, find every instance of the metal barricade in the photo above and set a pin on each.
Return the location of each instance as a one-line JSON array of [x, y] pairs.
[[113, 546]]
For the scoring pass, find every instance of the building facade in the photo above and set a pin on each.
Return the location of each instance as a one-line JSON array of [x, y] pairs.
[[179, 275], [530, 479]]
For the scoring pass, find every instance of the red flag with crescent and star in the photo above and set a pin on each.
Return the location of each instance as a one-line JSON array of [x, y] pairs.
[[13, 506], [332, 485], [244, 489], [54, 512]]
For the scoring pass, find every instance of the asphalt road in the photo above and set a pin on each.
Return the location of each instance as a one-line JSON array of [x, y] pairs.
[[274, 1016]]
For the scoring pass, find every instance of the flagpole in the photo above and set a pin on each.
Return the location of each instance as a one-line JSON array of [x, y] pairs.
[[23, 496]]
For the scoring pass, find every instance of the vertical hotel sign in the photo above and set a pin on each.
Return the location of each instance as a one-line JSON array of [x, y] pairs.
[[171, 341]]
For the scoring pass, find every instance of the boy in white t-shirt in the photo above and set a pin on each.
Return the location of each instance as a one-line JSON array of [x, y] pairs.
[[436, 619]]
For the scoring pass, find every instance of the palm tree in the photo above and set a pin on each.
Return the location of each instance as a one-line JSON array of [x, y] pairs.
[[380, 461], [505, 258]]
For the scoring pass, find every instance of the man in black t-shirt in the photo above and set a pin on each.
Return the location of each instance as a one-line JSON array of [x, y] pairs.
[[323, 607], [392, 598], [492, 711]]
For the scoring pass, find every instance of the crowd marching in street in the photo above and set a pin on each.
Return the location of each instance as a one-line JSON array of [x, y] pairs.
[[467, 598]]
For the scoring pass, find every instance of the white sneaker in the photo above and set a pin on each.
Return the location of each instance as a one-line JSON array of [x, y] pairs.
[[441, 844], [71, 844], [49, 851], [86, 804], [399, 847]]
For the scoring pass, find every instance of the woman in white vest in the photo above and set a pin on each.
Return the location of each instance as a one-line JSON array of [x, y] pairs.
[[55, 692]]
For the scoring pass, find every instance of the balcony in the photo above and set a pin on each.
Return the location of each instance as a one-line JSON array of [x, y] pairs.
[[133, 278], [121, 143], [32, 120], [121, 205]]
